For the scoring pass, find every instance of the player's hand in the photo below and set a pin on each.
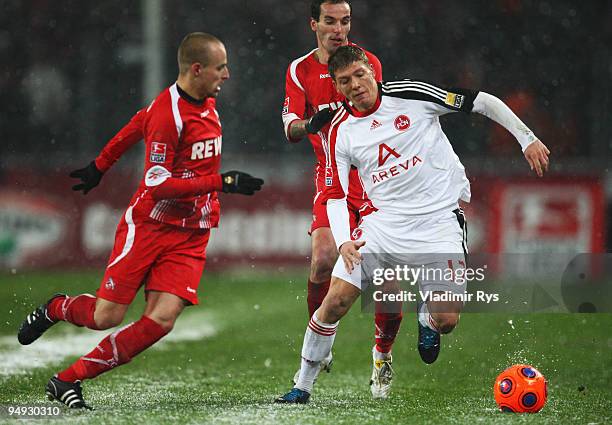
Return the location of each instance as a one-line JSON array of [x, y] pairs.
[[239, 182], [350, 254], [90, 177], [537, 157], [318, 120]]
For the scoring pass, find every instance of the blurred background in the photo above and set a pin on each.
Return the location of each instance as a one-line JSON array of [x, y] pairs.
[[75, 71]]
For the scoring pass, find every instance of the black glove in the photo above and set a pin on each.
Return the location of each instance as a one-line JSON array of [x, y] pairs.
[[239, 182], [318, 120], [90, 177]]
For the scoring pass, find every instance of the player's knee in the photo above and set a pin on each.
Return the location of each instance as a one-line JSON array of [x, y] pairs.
[[107, 319], [322, 264], [447, 322]]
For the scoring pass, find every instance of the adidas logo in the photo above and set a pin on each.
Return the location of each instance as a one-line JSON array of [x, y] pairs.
[[375, 124]]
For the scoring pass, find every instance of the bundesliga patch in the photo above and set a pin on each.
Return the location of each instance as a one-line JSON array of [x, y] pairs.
[[286, 106], [454, 99], [329, 174], [158, 152]]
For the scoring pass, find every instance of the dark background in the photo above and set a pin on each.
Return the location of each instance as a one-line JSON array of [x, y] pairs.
[[73, 70]]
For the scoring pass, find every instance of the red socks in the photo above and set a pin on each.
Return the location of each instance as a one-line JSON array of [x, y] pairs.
[[116, 349], [316, 294], [387, 327], [77, 310]]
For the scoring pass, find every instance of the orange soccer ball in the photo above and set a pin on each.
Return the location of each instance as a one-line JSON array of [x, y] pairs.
[[520, 388]]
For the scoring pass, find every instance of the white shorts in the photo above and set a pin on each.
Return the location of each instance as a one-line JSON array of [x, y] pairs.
[[434, 242]]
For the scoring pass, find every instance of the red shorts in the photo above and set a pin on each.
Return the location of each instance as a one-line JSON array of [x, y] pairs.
[[319, 215], [159, 256], [358, 204]]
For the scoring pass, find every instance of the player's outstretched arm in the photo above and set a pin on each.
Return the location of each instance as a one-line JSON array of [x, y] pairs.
[[300, 128], [350, 254], [536, 153], [91, 175], [163, 186]]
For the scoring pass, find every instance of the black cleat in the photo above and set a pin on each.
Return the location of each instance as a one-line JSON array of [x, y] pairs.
[[69, 393], [295, 396], [36, 323], [429, 342]]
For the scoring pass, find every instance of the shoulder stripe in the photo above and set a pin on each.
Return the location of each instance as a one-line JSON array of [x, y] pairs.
[[422, 84], [404, 90], [174, 96], [426, 89], [293, 69]]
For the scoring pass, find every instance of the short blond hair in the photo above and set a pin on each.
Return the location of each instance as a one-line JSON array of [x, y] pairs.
[[195, 47]]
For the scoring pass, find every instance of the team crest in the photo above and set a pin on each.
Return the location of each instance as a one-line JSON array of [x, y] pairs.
[[357, 233], [158, 152], [402, 122]]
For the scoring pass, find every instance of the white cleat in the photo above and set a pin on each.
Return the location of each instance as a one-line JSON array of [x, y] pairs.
[[325, 365], [382, 375]]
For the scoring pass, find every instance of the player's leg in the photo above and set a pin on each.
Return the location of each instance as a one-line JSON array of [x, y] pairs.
[[137, 245], [440, 317], [319, 337], [388, 317], [324, 256]]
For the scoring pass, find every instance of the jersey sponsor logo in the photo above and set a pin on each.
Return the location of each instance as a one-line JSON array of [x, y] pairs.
[[384, 152], [158, 152], [402, 122], [321, 76], [329, 176], [357, 233], [455, 100], [206, 149], [396, 170], [156, 175], [286, 106], [375, 125]]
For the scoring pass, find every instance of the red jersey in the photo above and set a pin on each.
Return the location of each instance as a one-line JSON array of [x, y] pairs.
[[308, 89], [182, 159]]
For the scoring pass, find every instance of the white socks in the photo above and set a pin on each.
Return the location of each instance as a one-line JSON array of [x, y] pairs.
[[377, 355], [318, 342]]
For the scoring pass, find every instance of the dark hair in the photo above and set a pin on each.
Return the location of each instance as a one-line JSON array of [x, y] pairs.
[[343, 57], [315, 7], [194, 48]]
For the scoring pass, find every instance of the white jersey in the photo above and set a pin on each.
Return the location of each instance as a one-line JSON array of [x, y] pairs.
[[405, 160]]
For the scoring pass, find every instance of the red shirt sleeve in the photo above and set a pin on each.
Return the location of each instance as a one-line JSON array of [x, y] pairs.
[[121, 142], [294, 106]]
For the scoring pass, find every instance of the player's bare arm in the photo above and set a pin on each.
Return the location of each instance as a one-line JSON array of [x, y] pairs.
[[300, 128]]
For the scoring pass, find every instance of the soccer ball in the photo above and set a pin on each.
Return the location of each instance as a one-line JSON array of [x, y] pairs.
[[520, 388]]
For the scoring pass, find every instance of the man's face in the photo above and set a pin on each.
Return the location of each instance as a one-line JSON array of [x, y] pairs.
[[210, 77], [333, 26], [356, 82]]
